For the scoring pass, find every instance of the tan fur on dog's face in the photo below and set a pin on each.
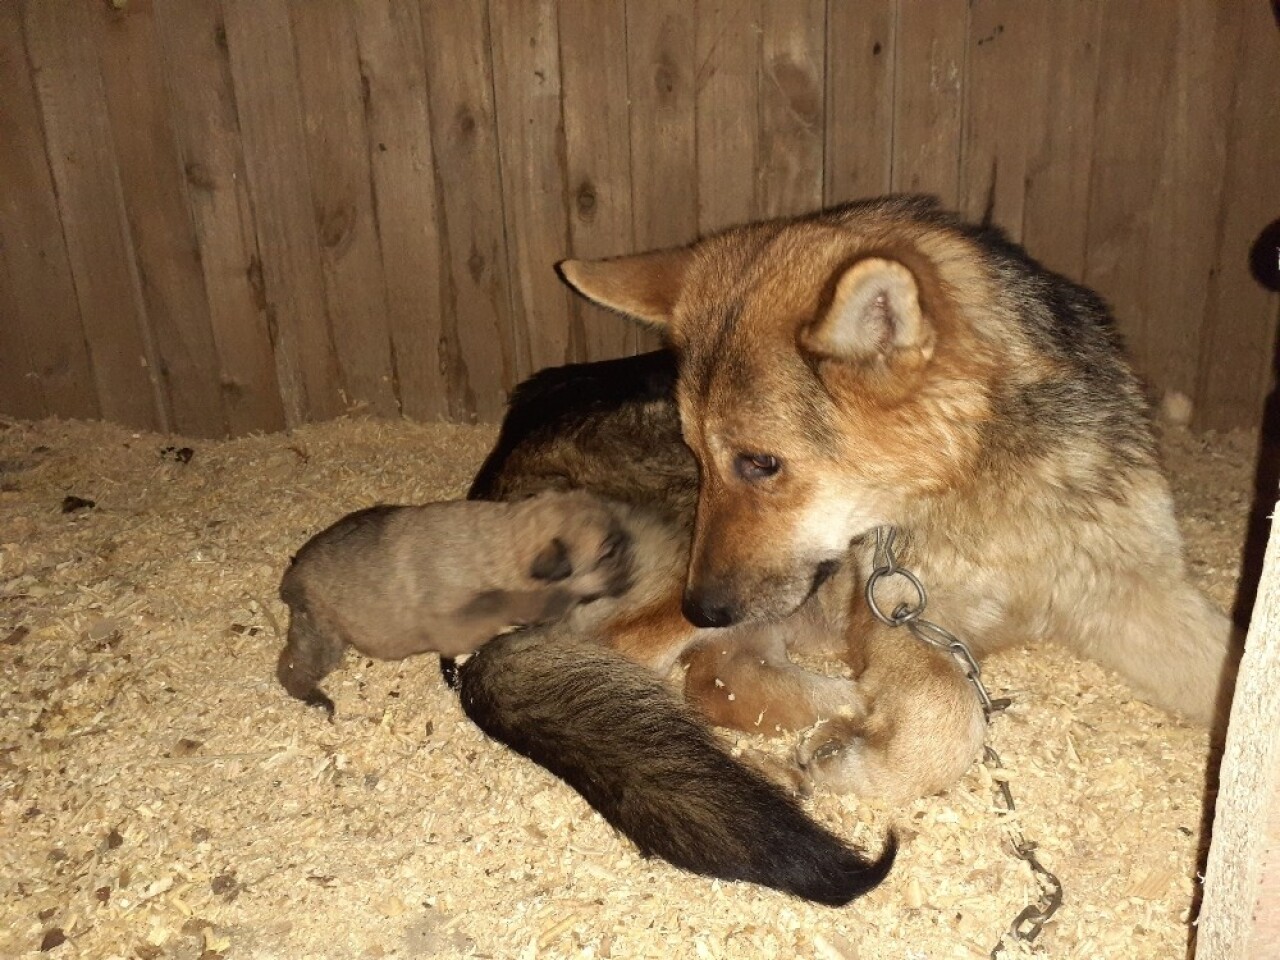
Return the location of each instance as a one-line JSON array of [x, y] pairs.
[[829, 376]]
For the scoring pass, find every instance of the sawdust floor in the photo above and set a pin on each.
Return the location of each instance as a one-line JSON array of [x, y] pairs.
[[161, 797]]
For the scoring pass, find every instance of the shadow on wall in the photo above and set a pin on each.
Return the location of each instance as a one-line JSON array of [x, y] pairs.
[[1264, 265]]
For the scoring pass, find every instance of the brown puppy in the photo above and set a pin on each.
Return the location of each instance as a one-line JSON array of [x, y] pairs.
[[393, 581], [636, 751], [647, 626]]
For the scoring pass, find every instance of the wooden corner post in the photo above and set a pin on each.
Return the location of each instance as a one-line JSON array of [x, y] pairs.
[[1240, 915]]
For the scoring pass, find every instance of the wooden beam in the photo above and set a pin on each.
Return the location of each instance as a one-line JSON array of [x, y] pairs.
[[1240, 914]]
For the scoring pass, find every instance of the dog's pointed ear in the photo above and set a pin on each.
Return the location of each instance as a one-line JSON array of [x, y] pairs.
[[874, 312], [645, 286]]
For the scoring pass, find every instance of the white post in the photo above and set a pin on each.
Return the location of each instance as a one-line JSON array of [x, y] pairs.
[[1240, 914]]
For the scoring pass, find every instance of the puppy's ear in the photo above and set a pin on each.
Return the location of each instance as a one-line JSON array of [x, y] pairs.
[[552, 562], [875, 312], [645, 286]]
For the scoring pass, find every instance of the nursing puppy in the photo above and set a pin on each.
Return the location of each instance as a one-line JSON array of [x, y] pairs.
[[885, 363], [690, 803], [548, 440], [587, 699], [393, 581]]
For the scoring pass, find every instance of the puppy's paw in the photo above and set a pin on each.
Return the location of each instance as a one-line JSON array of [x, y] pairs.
[[787, 775], [319, 699], [834, 755], [891, 765]]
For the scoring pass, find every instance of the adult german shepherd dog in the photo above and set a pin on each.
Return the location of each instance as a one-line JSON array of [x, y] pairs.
[[882, 364]]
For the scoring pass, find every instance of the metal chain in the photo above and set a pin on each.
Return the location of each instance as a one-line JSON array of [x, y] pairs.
[[1028, 924]]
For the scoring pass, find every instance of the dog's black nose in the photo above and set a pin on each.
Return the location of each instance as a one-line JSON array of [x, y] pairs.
[[705, 609]]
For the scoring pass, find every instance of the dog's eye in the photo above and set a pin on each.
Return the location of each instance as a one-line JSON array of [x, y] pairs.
[[757, 466]]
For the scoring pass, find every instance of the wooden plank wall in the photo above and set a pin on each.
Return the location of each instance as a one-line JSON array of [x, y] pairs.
[[222, 216]]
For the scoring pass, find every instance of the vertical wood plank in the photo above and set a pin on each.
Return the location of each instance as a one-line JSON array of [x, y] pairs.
[[1179, 251], [526, 81], [661, 75], [155, 202], [1265, 941], [1133, 82], [1056, 201], [1006, 80], [661, 70], [929, 97], [1237, 358], [593, 63], [480, 346], [792, 106], [265, 76], [728, 129], [337, 145], [861, 52], [60, 42], [389, 34], [207, 131], [42, 342], [20, 395]]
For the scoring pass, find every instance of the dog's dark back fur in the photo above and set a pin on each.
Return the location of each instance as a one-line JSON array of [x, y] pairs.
[[1066, 321], [610, 427], [688, 802]]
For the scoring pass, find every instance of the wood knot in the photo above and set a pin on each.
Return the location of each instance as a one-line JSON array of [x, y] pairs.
[[198, 176], [665, 78], [586, 201], [475, 265], [336, 226], [465, 122]]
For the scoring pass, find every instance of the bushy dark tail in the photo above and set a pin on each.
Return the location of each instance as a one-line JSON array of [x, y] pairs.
[[639, 755]]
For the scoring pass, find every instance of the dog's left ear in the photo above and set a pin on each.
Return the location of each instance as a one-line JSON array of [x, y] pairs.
[[552, 562], [645, 286], [875, 312]]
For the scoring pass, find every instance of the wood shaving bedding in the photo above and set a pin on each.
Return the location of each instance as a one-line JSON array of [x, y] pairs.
[[160, 796]]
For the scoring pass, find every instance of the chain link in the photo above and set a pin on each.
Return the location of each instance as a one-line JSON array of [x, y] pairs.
[[1028, 924]]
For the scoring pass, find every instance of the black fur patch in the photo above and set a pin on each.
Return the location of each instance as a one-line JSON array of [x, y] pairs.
[[824, 572], [552, 562]]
